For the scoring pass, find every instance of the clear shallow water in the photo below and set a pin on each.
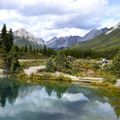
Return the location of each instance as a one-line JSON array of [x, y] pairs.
[[57, 102]]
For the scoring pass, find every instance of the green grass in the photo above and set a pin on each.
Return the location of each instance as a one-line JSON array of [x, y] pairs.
[[43, 76], [30, 63]]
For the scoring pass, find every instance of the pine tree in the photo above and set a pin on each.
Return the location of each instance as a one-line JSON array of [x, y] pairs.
[[4, 32], [7, 38], [116, 64], [50, 65], [30, 48], [4, 58], [61, 61], [34, 51], [8, 55], [44, 50], [15, 65], [11, 39], [25, 48]]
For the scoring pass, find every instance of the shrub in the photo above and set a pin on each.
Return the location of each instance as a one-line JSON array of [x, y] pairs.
[[109, 77], [62, 78], [96, 66]]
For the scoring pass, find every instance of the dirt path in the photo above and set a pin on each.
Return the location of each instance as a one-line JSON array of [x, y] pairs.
[[74, 78], [36, 69], [28, 60]]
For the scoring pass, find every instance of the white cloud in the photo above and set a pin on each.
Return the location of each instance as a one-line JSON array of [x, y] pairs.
[[7, 14], [49, 18]]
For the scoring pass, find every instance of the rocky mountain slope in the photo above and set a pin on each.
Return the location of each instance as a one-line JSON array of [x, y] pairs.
[[22, 38], [64, 42]]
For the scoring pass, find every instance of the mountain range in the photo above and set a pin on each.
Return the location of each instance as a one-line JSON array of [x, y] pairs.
[[64, 42], [93, 39], [22, 38]]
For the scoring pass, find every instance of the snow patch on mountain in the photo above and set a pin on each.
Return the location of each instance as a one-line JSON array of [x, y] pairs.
[[117, 26], [94, 33], [22, 33]]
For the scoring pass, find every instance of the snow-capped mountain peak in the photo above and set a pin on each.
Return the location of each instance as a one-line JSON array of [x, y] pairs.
[[117, 26], [22, 33], [93, 33]]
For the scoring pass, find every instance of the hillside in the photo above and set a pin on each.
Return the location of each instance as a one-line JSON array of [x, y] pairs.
[[105, 45], [102, 42]]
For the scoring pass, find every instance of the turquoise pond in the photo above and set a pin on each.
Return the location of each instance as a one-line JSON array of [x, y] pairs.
[[57, 102]]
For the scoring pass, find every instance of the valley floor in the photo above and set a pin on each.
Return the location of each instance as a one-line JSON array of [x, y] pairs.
[[83, 70]]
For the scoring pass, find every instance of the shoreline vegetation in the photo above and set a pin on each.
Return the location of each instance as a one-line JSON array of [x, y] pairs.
[[42, 75], [35, 74], [91, 81], [47, 64], [85, 81]]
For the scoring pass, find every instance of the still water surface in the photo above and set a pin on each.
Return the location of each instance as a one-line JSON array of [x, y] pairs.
[[57, 102]]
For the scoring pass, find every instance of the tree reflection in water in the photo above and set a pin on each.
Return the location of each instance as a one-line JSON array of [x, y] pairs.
[[59, 89], [93, 94], [8, 90]]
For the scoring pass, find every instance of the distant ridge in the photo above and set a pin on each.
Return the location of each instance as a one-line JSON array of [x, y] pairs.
[[64, 42], [107, 41]]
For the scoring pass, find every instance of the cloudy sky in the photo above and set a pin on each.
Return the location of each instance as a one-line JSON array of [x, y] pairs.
[[49, 18]]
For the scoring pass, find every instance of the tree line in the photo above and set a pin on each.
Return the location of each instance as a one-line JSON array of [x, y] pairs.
[[32, 50], [91, 53], [8, 51]]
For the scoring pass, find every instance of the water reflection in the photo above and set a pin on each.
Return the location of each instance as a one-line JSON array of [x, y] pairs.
[[8, 91], [56, 102]]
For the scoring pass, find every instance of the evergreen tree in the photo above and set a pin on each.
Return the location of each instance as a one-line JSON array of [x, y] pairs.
[[5, 42], [15, 65], [10, 41], [50, 65], [44, 50], [116, 64], [25, 48], [8, 55], [7, 39], [61, 61], [30, 48], [4, 32], [5, 59], [34, 51]]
